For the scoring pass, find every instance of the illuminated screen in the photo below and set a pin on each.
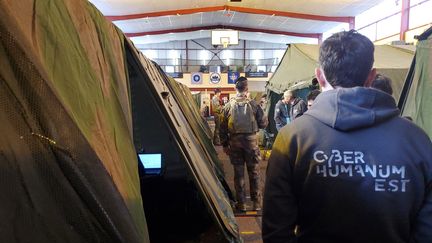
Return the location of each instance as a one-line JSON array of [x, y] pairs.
[[152, 162]]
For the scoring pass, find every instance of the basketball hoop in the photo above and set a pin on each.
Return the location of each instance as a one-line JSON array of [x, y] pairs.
[[225, 41]]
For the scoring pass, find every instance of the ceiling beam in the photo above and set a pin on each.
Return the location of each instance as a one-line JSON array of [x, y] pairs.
[[212, 27], [290, 14], [343, 19], [166, 13]]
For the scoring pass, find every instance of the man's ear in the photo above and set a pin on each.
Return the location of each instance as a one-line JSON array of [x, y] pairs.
[[320, 77], [370, 78], [319, 73]]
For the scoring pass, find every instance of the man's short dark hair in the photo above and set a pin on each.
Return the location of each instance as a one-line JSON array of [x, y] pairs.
[[346, 59], [241, 84], [383, 83], [217, 90], [313, 94]]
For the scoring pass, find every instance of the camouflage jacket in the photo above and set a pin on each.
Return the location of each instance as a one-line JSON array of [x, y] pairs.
[[217, 108]]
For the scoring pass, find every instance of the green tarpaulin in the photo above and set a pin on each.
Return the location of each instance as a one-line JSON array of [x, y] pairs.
[[73, 92], [297, 68], [63, 68], [418, 102]]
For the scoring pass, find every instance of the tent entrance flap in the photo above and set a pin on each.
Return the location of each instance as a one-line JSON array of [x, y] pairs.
[[176, 201]]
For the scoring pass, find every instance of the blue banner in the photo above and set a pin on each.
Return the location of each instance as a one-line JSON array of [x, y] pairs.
[[232, 77]]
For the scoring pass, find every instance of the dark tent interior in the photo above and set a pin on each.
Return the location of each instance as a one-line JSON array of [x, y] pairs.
[[175, 208]]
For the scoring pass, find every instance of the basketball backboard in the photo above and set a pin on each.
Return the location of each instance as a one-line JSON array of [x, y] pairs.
[[225, 37]]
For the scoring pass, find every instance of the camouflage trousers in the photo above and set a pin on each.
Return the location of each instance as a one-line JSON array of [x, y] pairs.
[[244, 151]]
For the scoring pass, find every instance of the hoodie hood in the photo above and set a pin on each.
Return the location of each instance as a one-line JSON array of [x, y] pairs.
[[348, 109], [295, 101]]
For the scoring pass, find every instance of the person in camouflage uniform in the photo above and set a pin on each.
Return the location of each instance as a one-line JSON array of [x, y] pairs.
[[241, 143], [217, 109]]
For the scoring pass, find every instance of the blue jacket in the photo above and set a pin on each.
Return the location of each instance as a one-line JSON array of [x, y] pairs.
[[281, 113]]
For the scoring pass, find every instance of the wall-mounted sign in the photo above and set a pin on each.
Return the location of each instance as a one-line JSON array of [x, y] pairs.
[[256, 74], [232, 77], [196, 78], [175, 75], [215, 78]]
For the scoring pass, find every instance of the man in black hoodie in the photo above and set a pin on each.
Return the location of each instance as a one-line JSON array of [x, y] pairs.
[[350, 169], [297, 105]]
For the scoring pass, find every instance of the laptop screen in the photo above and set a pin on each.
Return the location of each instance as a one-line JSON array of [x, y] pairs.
[[152, 163]]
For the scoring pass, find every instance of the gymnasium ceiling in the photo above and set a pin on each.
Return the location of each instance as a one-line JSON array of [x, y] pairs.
[[277, 21]]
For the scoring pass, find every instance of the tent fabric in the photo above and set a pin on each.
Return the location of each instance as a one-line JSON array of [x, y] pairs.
[[297, 68], [201, 130], [297, 65], [67, 147], [189, 144], [418, 103], [197, 98], [67, 144], [200, 127]]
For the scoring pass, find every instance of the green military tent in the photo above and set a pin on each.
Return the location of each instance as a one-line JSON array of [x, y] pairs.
[[297, 69], [416, 98], [79, 104]]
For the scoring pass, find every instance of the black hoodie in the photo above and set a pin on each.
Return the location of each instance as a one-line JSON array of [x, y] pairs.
[[298, 108], [349, 170]]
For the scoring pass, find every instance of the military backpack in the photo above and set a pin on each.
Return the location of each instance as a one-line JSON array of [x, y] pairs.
[[242, 116]]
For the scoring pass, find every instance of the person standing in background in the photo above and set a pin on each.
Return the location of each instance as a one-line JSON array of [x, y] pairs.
[[311, 97], [263, 102], [383, 83], [205, 110], [350, 169], [281, 113], [241, 119], [297, 105], [217, 109]]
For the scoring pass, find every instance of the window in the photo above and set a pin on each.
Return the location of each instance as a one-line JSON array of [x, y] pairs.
[[278, 54], [420, 15], [382, 10], [174, 55], [262, 69], [369, 32], [169, 69], [389, 26], [215, 69], [151, 54], [257, 55]]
